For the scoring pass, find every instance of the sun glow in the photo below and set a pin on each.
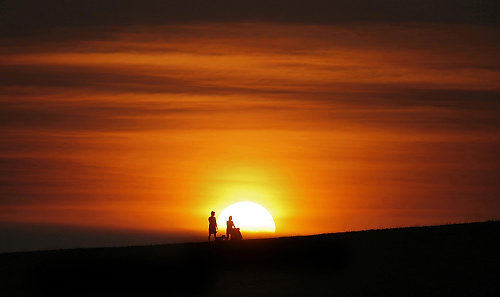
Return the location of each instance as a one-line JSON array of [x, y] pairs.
[[248, 216]]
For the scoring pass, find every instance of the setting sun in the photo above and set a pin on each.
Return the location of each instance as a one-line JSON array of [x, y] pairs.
[[248, 216]]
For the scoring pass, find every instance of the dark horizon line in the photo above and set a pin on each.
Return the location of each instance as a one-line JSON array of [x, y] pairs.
[[489, 221]]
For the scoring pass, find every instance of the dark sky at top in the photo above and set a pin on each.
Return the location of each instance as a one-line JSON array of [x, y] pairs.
[[26, 17]]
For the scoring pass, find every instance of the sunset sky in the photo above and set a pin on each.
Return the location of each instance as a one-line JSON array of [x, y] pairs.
[[138, 118]]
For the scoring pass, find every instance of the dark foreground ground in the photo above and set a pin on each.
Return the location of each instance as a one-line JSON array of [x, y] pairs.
[[454, 260]]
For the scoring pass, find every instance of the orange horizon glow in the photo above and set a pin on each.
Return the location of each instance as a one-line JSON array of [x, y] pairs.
[[330, 128]]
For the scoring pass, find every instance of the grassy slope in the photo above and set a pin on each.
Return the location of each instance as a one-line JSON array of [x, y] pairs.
[[452, 260]]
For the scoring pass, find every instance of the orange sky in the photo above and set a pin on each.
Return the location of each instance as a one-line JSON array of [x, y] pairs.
[[330, 127]]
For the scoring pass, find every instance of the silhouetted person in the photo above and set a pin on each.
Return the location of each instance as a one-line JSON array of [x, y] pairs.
[[236, 234], [229, 228], [212, 226]]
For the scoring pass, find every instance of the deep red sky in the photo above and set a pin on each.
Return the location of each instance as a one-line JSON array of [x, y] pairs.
[[119, 117]]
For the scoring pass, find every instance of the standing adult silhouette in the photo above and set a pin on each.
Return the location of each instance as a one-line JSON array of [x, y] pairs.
[[212, 226], [229, 227]]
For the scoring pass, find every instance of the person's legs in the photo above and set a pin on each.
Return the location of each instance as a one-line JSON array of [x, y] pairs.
[[210, 233]]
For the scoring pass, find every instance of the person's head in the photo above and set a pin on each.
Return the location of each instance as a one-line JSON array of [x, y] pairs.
[[212, 213], [230, 218]]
